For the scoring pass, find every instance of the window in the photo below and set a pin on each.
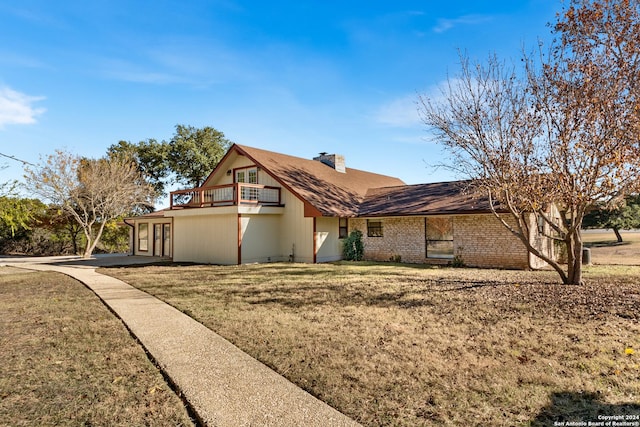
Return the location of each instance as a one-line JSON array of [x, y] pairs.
[[253, 176], [250, 176], [374, 228], [541, 227], [343, 228], [143, 237], [439, 237]]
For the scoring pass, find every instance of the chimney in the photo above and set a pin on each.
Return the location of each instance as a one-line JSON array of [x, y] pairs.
[[335, 161]]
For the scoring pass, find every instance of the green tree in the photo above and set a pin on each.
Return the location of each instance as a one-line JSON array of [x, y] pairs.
[[188, 158], [151, 158], [92, 191], [623, 217], [194, 153], [63, 227], [18, 215]]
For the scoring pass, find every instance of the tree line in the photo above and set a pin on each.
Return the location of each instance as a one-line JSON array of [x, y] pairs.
[[82, 201]]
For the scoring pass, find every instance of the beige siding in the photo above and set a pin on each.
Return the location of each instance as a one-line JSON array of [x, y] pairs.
[[329, 247], [261, 239], [541, 242], [211, 239], [208, 236], [296, 237]]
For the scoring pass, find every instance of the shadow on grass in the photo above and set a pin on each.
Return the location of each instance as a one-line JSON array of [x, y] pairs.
[[299, 295], [605, 244], [298, 286], [571, 408]]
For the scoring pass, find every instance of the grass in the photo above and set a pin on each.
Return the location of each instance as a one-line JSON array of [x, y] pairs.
[[65, 359], [605, 248], [410, 345]]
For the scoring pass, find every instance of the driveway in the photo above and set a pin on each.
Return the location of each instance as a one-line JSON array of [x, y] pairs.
[[99, 260]]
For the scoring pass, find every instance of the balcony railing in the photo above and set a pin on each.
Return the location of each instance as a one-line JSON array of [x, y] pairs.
[[225, 195]]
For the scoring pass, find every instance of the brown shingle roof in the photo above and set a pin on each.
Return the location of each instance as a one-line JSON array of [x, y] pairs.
[[423, 199], [330, 192]]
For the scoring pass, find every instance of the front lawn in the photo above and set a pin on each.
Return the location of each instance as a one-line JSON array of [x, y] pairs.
[[410, 345], [66, 360]]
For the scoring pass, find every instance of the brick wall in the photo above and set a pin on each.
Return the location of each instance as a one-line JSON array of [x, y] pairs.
[[483, 241], [403, 237], [479, 240]]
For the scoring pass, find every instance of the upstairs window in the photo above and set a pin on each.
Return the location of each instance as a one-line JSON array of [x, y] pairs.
[[374, 228], [247, 175]]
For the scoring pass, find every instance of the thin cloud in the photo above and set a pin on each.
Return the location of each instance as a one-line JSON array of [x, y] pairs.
[[445, 24], [191, 62], [401, 112], [18, 60], [17, 108]]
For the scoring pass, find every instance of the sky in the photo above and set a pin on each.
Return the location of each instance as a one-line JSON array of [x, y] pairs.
[[295, 77]]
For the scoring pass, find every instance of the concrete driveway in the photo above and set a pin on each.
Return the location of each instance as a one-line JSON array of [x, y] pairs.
[[99, 260]]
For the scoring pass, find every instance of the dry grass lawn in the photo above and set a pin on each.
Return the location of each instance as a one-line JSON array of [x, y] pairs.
[[66, 360], [410, 345], [605, 248]]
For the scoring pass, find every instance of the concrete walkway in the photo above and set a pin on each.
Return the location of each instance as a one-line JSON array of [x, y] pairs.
[[225, 386]]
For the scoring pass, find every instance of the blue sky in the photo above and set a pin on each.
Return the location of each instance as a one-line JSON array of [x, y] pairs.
[[297, 77]]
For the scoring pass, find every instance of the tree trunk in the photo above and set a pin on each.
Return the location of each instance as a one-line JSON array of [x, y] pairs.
[[618, 235], [91, 244], [74, 240], [574, 260]]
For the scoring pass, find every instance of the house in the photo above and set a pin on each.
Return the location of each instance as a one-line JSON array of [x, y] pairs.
[[261, 206]]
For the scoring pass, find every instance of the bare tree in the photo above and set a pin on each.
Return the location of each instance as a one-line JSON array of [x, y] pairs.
[[563, 133], [92, 191]]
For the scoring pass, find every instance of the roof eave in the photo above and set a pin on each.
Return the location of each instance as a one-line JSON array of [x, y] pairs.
[[435, 213]]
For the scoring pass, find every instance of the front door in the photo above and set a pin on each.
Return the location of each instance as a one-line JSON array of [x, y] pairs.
[[249, 176]]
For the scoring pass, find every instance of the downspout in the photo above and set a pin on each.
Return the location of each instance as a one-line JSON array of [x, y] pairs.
[[239, 239], [133, 236], [315, 241]]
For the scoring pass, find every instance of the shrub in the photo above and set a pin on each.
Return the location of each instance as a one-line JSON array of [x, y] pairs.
[[457, 261], [352, 247]]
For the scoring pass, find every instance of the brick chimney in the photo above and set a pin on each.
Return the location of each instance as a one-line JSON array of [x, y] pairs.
[[335, 161]]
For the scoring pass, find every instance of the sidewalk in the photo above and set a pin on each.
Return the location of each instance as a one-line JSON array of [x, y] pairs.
[[225, 386]]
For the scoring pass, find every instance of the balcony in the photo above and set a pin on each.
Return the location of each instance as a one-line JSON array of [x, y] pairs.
[[226, 195]]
